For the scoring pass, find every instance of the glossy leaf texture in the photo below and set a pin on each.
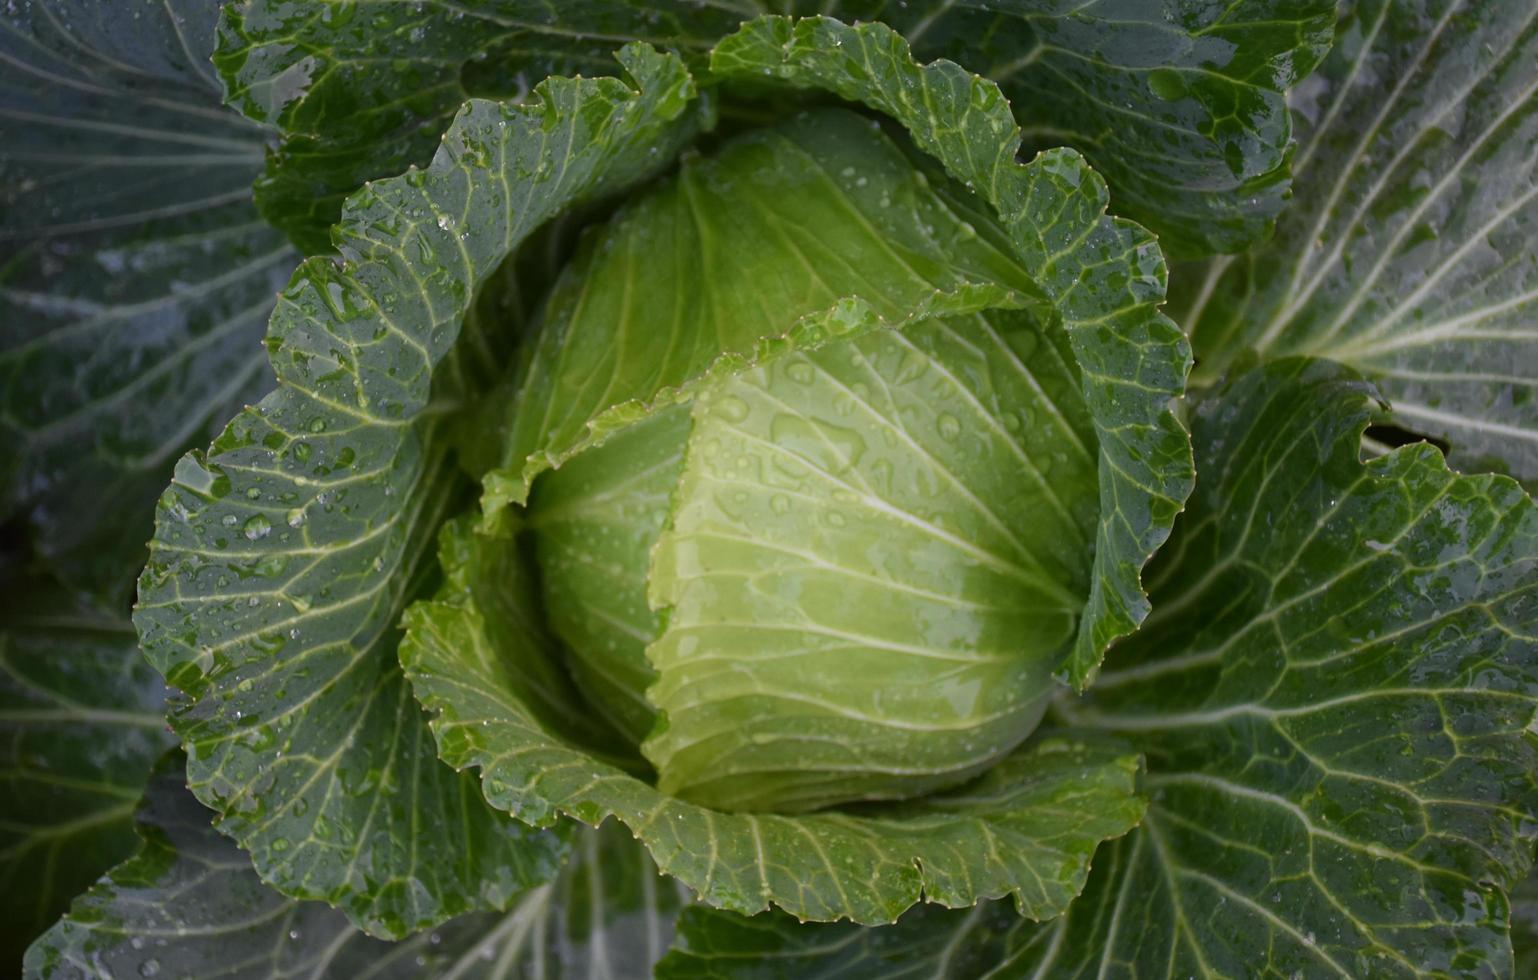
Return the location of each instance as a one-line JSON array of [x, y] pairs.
[[81, 722], [135, 274], [1104, 276], [361, 91], [1335, 704], [1409, 252], [1026, 828], [1178, 102], [284, 554], [189, 905]]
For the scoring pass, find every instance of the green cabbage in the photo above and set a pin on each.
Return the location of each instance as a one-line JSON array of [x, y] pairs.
[[740, 492]]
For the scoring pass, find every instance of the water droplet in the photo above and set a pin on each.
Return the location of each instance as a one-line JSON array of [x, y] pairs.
[[731, 408], [1166, 83], [832, 448], [911, 368], [257, 527]]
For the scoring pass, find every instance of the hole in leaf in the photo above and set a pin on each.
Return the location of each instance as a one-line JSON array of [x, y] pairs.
[[1393, 436]]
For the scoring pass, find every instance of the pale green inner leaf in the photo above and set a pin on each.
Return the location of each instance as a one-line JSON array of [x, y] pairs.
[[878, 556], [1026, 828], [779, 224], [1104, 278], [595, 521]]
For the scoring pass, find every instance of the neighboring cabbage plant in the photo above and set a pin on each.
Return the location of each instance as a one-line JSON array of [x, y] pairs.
[[731, 498]]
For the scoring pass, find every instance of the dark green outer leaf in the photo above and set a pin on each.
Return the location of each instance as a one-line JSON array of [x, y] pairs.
[[1335, 690], [928, 943], [362, 91], [1524, 926], [188, 905], [1411, 252], [1105, 276], [1177, 102], [135, 275], [81, 724], [283, 556]]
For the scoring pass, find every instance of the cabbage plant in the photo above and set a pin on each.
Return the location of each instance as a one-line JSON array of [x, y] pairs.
[[730, 488]]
